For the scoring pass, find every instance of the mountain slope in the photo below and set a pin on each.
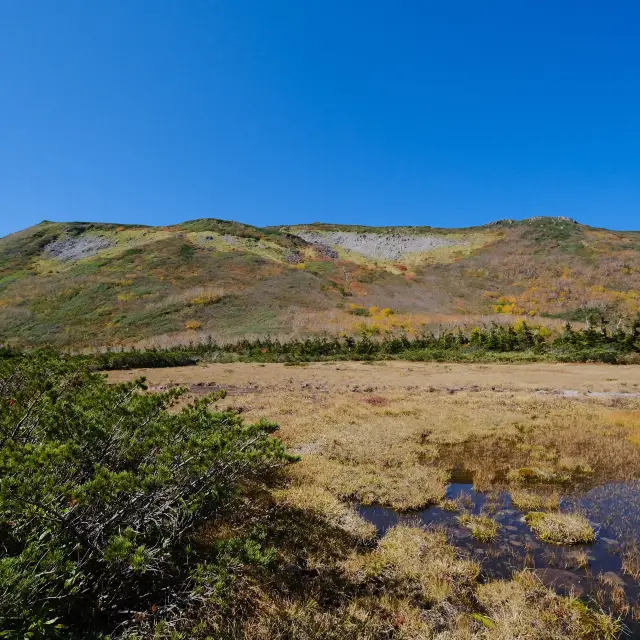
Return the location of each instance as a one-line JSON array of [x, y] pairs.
[[87, 284]]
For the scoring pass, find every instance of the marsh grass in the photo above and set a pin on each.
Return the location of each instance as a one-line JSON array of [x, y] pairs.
[[450, 505], [417, 563], [535, 475], [526, 500], [631, 561], [561, 528], [579, 559], [335, 583], [324, 504], [403, 487], [483, 528], [524, 608]]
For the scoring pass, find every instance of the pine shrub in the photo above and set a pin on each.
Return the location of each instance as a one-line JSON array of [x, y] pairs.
[[101, 490]]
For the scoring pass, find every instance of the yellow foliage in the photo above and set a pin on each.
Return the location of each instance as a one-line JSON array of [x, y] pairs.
[[192, 325], [301, 265], [386, 312], [124, 297], [206, 299], [368, 329], [507, 304], [373, 309]]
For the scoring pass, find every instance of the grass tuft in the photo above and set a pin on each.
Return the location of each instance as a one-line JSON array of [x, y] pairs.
[[321, 503], [524, 608], [416, 562], [450, 505], [561, 528], [631, 562], [529, 501], [483, 528]]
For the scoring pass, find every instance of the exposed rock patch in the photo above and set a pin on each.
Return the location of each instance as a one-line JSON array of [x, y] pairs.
[[375, 245], [70, 248]]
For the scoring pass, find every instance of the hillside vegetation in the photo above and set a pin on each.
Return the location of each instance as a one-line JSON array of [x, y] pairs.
[[88, 285]]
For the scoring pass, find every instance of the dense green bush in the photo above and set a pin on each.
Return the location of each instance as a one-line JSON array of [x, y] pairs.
[[8, 352], [520, 342], [101, 489], [134, 359]]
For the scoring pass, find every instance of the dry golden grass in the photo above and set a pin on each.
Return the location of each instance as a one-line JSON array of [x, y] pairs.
[[523, 608], [399, 451], [631, 562], [402, 375], [529, 501], [449, 505], [429, 418], [561, 528], [418, 563], [403, 487], [323, 504]]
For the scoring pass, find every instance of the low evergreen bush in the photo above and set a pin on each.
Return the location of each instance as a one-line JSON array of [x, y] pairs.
[[101, 490]]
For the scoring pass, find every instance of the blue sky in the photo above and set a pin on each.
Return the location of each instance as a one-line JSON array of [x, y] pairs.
[[283, 111]]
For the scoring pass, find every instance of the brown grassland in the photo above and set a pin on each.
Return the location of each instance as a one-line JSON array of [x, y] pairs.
[[390, 434]]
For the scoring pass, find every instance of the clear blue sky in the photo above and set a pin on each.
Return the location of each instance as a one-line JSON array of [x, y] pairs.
[[283, 111]]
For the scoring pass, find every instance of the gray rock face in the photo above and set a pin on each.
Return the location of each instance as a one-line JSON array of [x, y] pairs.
[[69, 249], [377, 245]]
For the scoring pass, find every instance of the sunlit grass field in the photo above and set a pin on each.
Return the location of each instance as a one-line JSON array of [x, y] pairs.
[[390, 433]]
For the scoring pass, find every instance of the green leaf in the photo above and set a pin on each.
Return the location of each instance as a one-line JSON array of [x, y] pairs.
[[485, 620]]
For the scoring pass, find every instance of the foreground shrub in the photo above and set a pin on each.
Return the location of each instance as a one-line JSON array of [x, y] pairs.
[[100, 489]]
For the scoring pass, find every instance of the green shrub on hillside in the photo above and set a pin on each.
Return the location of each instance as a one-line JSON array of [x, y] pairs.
[[134, 359], [101, 488], [519, 342]]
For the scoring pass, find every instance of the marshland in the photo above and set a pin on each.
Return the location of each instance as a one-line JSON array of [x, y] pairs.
[[447, 500]]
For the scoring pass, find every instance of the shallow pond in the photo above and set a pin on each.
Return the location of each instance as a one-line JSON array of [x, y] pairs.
[[613, 510]]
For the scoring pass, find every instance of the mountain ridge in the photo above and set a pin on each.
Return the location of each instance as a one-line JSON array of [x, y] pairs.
[[95, 284]]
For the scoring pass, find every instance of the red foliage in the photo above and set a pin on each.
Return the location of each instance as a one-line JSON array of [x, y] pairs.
[[376, 401]]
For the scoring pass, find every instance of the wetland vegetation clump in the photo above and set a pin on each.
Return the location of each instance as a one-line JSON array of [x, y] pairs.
[[530, 501], [533, 475], [418, 563], [524, 608], [483, 528], [450, 505], [320, 502], [561, 528], [631, 561]]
